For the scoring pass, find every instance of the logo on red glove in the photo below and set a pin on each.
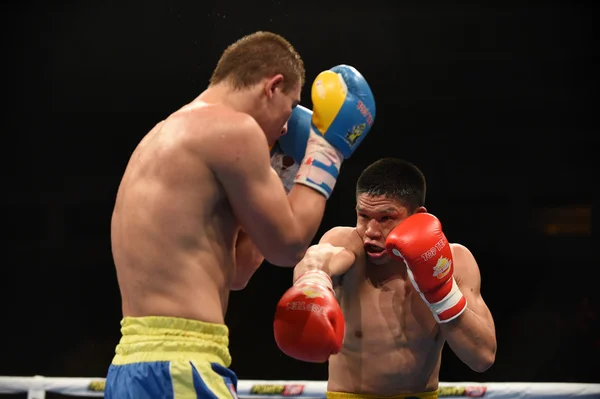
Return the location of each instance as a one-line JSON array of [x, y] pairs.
[[431, 252], [306, 307], [311, 293], [442, 267]]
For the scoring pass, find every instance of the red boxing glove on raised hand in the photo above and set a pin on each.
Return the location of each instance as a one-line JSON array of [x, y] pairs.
[[309, 324], [421, 244]]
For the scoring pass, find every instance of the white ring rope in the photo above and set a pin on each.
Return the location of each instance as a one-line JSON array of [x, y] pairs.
[[36, 388]]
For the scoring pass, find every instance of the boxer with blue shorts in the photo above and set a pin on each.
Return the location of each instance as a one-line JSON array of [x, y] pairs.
[[201, 205], [166, 357]]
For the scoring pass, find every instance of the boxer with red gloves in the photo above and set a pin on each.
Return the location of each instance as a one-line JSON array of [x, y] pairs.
[[394, 288]]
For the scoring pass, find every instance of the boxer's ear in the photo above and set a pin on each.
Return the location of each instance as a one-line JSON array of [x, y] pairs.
[[273, 84]]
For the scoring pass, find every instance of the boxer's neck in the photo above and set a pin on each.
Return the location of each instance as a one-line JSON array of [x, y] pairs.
[[240, 100]]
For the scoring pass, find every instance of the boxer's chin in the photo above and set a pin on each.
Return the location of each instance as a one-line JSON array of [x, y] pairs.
[[378, 258]]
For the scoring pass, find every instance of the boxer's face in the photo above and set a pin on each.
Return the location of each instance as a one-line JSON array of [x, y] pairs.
[[280, 108], [376, 217]]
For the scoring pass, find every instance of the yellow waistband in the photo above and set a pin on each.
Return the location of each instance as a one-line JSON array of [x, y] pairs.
[[347, 395], [159, 338]]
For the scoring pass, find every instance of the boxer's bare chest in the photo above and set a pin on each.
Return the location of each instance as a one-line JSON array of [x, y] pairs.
[[383, 311], [392, 343]]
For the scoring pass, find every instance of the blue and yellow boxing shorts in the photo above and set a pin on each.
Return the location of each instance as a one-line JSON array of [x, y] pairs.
[[171, 358], [346, 395]]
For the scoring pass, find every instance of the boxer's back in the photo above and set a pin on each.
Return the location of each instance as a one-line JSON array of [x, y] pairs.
[[392, 344], [172, 230]]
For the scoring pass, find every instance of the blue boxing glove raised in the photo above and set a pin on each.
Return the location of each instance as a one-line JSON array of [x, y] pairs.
[[344, 112], [293, 143]]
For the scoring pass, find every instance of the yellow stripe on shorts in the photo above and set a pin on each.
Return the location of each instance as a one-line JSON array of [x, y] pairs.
[[182, 379]]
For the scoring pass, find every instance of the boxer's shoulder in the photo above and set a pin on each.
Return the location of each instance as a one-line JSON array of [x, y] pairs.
[[224, 131], [225, 120], [238, 126], [464, 261], [458, 249], [460, 252]]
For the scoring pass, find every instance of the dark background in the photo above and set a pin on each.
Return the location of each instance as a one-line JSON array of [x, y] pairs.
[[496, 104]]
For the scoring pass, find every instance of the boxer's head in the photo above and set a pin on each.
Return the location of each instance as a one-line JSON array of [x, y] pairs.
[[267, 74], [387, 192]]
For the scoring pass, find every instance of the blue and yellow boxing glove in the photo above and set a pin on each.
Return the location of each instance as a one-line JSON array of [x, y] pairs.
[[344, 112]]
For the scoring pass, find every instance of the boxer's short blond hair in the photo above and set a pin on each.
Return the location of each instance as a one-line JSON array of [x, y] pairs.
[[257, 56]]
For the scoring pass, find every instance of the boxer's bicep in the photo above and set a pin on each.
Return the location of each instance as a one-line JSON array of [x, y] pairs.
[[255, 192]]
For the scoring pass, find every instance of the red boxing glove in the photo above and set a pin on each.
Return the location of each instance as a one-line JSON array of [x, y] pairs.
[[309, 324], [421, 244]]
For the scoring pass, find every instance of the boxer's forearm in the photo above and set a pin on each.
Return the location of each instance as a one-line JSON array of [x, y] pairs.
[[471, 339], [306, 265], [308, 207]]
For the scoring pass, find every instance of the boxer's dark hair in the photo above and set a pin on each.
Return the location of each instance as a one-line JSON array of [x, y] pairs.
[[394, 178], [257, 56]]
